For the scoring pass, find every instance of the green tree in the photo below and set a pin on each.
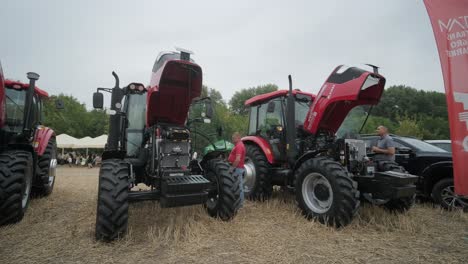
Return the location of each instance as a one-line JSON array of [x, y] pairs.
[[74, 119]]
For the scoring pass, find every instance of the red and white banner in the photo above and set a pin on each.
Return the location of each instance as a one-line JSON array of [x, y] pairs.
[[449, 20]]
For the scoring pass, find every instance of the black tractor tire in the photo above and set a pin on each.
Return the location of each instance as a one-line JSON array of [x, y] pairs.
[[443, 193], [112, 204], [399, 205], [46, 172], [225, 200], [261, 188], [321, 178], [16, 175]]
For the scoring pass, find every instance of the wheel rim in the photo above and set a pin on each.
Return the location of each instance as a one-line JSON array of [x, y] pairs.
[[452, 200], [250, 176], [213, 195], [52, 168], [317, 193], [27, 186]]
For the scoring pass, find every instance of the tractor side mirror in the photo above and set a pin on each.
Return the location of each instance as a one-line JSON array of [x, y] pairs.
[[271, 107], [209, 110], [98, 100], [59, 105]]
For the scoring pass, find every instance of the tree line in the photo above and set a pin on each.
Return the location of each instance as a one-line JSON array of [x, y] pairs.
[[404, 110]]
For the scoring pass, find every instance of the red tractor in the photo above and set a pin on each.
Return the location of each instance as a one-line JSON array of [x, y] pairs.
[[27, 149], [150, 143], [292, 142]]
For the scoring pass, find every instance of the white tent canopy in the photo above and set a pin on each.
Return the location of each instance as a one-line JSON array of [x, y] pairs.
[[66, 141], [88, 142]]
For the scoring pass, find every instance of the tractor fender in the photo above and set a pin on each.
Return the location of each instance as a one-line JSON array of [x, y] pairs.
[[306, 156], [428, 176], [262, 144], [41, 139]]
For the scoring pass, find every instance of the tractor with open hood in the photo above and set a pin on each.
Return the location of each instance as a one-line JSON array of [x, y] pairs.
[[292, 143], [149, 155], [27, 148]]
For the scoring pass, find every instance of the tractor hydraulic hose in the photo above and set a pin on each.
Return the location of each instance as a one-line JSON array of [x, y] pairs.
[[365, 120]]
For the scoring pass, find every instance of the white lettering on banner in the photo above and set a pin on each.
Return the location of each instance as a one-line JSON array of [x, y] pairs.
[[463, 117], [461, 98], [461, 22], [465, 144], [458, 40]]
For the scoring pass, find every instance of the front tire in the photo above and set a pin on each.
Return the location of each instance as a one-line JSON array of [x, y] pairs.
[[324, 192], [443, 193], [257, 183], [47, 164], [224, 200], [112, 207], [399, 205], [15, 185]]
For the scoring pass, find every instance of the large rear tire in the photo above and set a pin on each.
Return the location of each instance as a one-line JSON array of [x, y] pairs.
[[47, 164], [224, 200], [15, 185], [257, 182], [112, 207], [324, 192], [399, 205]]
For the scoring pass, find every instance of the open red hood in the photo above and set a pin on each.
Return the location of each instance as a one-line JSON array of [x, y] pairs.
[[174, 84], [344, 89], [2, 97]]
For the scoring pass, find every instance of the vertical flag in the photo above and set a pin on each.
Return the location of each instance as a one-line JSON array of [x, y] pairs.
[[449, 19]]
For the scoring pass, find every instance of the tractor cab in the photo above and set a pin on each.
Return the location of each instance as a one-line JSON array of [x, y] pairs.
[[268, 118], [15, 107]]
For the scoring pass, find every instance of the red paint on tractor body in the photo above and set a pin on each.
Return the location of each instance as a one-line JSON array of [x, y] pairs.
[[262, 144], [42, 136], [173, 87], [2, 98], [342, 91], [19, 85], [261, 98]]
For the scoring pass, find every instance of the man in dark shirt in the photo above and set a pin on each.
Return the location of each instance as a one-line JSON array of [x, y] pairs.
[[385, 149]]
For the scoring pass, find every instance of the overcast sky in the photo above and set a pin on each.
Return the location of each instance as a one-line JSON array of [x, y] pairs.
[[75, 45]]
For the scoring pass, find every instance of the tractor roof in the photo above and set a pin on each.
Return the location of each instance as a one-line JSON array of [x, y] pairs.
[[21, 86], [261, 98]]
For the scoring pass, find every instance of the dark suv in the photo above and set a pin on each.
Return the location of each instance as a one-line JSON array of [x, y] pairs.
[[433, 165]]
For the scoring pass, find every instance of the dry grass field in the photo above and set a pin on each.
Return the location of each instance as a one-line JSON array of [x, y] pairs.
[[60, 229]]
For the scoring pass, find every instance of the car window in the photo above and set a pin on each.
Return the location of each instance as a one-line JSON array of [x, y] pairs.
[[421, 145]]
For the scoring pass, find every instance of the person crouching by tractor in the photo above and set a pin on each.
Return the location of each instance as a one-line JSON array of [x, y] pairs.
[[236, 159]]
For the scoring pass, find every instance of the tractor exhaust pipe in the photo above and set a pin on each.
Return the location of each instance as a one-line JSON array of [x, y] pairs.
[[27, 126], [291, 126]]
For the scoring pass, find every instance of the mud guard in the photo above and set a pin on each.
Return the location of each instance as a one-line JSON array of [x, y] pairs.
[[262, 144], [41, 139]]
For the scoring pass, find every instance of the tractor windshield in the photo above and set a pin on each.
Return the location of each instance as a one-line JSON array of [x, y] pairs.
[[136, 110], [353, 122], [302, 108], [15, 100]]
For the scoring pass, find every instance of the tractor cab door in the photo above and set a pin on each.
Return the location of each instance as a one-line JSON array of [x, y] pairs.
[[270, 126], [135, 108]]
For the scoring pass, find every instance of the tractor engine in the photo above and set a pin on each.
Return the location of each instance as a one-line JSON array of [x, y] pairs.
[[173, 151]]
